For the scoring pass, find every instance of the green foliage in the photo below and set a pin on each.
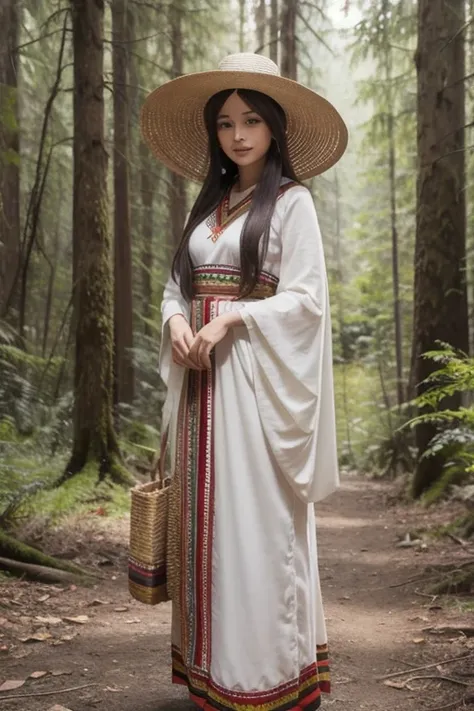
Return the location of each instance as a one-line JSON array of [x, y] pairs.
[[364, 424], [384, 40], [455, 438]]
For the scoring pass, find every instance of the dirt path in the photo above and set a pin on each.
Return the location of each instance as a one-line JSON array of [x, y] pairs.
[[121, 649]]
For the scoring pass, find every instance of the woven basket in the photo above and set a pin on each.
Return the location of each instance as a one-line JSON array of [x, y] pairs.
[[148, 542]]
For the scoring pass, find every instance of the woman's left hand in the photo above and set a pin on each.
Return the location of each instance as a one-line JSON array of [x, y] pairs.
[[205, 340]]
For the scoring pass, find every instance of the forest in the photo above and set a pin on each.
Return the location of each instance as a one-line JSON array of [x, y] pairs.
[[89, 222]]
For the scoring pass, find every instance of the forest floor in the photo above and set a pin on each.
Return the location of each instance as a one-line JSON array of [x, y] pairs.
[[95, 648]]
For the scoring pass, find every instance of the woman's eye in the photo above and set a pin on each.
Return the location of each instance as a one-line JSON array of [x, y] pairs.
[[223, 124], [253, 121]]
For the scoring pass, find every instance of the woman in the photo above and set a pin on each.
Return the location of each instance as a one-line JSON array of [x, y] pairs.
[[246, 356]]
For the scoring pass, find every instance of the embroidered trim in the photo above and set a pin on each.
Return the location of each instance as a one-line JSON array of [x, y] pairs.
[[300, 694], [223, 216], [221, 281], [195, 466]]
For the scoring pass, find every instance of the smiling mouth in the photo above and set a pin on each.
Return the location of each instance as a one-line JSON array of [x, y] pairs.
[[242, 150]]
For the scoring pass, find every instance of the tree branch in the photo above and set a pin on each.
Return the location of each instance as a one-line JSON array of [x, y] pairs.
[[314, 33]]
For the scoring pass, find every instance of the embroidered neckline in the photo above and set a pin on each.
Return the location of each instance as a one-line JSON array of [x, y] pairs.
[[224, 215]]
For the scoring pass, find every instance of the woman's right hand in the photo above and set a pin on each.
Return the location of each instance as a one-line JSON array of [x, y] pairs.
[[182, 338]]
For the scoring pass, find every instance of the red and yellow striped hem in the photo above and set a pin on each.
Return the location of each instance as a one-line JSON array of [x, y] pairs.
[[300, 694]]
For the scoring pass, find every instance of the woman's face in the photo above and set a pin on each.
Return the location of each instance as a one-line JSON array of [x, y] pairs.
[[243, 135]]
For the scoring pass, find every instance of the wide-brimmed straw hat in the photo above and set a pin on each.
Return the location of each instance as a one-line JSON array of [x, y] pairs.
[[172, 118]]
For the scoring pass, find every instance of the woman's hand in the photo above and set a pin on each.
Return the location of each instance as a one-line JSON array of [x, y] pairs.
[[209, 336], [181, 340]]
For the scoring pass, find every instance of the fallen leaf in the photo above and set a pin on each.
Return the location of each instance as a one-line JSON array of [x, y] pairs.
[[134, 621], [58, 707], [49, 620], [3, 648], [39, 637], [11, 684], [111, 688], [121, 609], [96, 603], [38, 674], [419, 640], [43, 598], [67, 637], [79, 620], [395, 684], [60, 672]]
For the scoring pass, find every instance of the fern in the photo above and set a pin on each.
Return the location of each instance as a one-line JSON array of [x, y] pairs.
[[455, 441]]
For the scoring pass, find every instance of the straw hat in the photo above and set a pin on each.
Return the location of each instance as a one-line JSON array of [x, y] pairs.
[[172, 119]]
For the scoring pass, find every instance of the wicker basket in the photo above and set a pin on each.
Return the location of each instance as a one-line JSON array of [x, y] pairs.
[[148, 542]]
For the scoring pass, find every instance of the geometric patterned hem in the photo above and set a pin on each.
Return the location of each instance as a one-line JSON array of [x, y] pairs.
[[300, 694]]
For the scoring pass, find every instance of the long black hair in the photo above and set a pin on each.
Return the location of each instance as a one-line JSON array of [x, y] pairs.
[[221, 176]]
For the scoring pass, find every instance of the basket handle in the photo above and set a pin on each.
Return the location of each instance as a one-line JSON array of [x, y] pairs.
[[162, 459]]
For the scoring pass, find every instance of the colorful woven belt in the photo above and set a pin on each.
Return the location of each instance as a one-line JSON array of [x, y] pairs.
[[223, 282]]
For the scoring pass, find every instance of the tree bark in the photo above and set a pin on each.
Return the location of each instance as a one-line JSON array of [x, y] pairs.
[[440, 249], [241, 25], [123, 306], [261, 23], [146, 185], [9, 150], [177, 188], [392, 169], [13, 549], [289, 59], [274, 31], [94, 435]]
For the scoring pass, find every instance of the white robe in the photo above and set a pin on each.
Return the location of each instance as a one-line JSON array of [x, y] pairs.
[[273, 432]]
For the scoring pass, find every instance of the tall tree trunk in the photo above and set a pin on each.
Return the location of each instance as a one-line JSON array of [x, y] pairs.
[[146, 185], [470, 186], [134, 104], [261, 23], [241, 25], [397, 315], [274, 31], [123, 306], [9, 150], [440, 250], [94, 436], [177, 188], [289, 59]]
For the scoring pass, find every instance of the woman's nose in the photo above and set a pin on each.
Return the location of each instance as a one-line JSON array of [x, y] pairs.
[[238, 133]]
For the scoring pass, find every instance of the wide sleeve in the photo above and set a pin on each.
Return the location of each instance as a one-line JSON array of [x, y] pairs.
[[291, 350], [173, 303]]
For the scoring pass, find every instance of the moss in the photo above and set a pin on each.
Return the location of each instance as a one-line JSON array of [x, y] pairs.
[[453, 476], [79, 493], [119, 474], [14, 549], [8, 431]]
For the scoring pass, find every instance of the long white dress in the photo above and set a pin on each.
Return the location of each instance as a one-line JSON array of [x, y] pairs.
[[253, 446]]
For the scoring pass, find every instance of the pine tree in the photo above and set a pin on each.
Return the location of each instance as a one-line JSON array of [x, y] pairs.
[[440, 285], [123, 318], [9, 150], [94, 436]]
